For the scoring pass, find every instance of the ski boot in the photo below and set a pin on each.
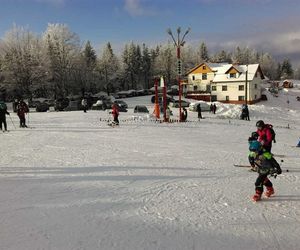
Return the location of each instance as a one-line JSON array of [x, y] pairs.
[[257, 196], [269, 192]]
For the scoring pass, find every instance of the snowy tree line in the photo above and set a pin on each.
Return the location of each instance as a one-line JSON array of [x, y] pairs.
[[56, 64]]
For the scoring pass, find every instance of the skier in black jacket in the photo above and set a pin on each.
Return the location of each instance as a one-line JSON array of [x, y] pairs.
[[3, 112]]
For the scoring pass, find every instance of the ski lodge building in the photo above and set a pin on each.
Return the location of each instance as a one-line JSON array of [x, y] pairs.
[[224, 82]]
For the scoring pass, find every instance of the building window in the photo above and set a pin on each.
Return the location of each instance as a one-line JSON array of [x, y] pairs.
[[241, 98], [232, 75], [227, 98], [255, 97], [224, 88], [204, 67], [241, 87], [195, 88], [204, 76], [213, 98], [213, 88], [255, 86], [193, 78]]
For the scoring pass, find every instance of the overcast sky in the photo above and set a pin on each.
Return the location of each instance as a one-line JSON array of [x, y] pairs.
[[268, 25]]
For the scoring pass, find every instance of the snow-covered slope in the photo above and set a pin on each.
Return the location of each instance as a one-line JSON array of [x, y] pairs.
[[72, 182]]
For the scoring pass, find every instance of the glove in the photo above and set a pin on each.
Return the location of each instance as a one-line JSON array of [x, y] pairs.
[[279, 171]]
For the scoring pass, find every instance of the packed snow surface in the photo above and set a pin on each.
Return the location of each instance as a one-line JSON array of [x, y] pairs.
[[72, 182]]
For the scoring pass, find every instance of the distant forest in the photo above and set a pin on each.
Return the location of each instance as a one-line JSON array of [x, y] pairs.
[[57, 64]]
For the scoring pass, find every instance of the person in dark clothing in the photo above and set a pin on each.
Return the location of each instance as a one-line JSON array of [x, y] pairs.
[[184, 114], [3, 113], [245, 113], [199, 112], [22, 109], [214, 108], [211, 108], [84, 104]]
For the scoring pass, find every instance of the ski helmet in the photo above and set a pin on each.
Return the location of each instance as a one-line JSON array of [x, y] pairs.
[[254, 135], [260, 124]]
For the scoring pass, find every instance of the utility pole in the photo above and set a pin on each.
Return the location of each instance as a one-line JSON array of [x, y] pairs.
[[246, 85], [178, 43]]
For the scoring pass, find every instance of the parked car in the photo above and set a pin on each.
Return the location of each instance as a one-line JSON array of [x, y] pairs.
[[160, 99], [204, 106], [140, 109], [127, 93], [73, 106], [102, 105], [121, 103], [42, 107], [184, 104], [50, 102], [264, 97], [61, 104], [33, 103]]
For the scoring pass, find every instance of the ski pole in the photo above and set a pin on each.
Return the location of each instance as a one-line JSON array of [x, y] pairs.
[[12, 121], [28, 119]]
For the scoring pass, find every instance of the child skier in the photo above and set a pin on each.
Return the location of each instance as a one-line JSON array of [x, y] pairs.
[[115, 113], [266, 165], [22, 109], [254, 137]]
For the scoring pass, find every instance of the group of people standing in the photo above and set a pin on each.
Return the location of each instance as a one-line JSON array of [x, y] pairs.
[[20, 107]]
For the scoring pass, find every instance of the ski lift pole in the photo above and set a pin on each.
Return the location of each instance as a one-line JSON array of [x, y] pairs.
[[156, 104]]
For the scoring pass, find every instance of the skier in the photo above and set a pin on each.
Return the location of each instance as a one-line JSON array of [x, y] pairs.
[[84, 104], [115, 113], [265, 135], [22, 109], [3, 112], [266, 165], [252, 139]]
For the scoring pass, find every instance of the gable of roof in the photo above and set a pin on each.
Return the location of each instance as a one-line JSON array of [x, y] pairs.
[[199, 69], [233, 69]]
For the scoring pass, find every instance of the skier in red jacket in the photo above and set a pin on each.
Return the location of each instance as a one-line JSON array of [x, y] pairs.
[[115, 113], [22, 109], [264, 135]]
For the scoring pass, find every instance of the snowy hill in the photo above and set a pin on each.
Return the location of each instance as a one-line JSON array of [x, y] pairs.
[[72, 182]]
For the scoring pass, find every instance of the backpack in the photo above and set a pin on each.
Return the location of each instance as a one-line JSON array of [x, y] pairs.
[[270, 127], [3, 106]]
